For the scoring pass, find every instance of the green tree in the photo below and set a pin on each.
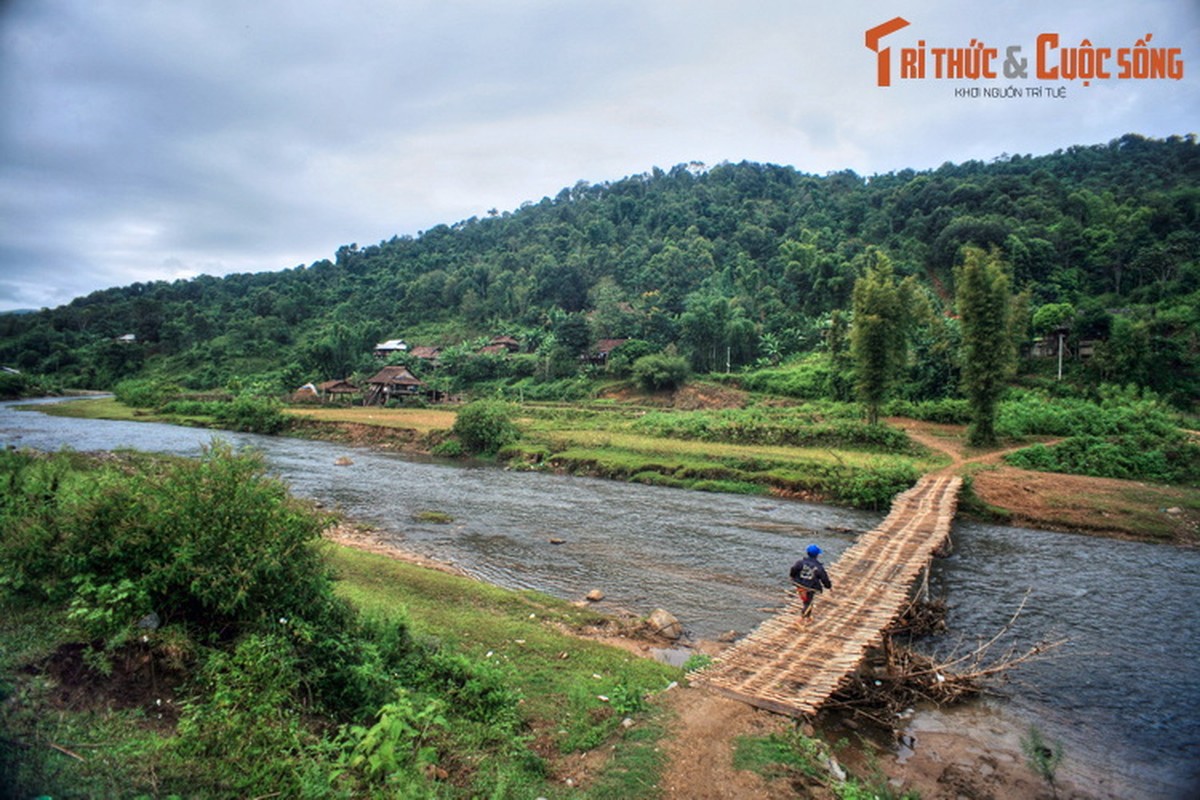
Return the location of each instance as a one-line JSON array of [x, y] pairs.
[[485, 426], [879, 331], [984, 307], [660, 371], [1052, 315], [716, 332], [841, 362]]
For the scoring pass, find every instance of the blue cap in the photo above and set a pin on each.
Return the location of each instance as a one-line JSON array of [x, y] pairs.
[[813, 550]]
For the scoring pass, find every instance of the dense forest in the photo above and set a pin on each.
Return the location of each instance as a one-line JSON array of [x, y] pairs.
[[732, 266]]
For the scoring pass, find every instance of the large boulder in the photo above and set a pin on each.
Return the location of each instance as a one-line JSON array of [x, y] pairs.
[[664, 624]]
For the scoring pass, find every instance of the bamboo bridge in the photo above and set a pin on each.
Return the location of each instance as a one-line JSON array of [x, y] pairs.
[[791, 664]]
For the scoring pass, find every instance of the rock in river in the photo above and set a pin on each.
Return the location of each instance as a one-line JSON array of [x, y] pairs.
[[664, 624]]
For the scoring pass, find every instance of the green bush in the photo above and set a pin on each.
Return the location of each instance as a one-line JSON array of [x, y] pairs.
[[950, 411], [485, 426], [660, 371], [144, 392], [808, 379], [246, 413], [252, 415], [13, 385], [450, 448], [621, 360], [760, 426], [228, 546], [395, 750], [1158, 459], [244, 724], [192, 408], [1120, 411], [875, 486], [1128, 434]]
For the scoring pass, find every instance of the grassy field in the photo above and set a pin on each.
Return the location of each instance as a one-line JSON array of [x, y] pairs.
[[423, 420], [560, 676], [100, 408]]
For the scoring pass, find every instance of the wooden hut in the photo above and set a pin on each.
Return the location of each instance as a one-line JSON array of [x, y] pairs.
[[393, 383], [426, 353], [341, 390]]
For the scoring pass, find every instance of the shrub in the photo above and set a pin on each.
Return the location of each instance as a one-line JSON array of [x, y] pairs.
[[951, 411], [245, 727], [397, 747], [774, 427], [809, 379], [13, 385], [191, 408], [252, 415], [212, 542], [875, 486], [144, 392], [660, 371], [621, 359], [450, 448], [485, 426], [1161, 460], [1042, 756], [228, 562]]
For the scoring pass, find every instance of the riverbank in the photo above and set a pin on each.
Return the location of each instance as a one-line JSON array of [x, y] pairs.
[[994, 492]]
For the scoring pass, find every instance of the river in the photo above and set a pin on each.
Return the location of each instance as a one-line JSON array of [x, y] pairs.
[[1123, 695]]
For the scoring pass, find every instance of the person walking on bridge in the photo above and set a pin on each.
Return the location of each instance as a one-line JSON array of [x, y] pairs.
[[809, 576]]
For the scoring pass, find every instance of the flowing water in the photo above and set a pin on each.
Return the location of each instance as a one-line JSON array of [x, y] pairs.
[[1123, 694]]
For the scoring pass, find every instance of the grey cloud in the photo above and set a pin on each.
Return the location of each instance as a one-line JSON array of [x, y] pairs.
[[145, 140]]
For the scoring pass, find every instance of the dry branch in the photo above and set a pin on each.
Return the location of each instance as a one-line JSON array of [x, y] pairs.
[[907, 677]]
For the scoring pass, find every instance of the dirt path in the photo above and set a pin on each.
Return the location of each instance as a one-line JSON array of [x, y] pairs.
[[701, 744]]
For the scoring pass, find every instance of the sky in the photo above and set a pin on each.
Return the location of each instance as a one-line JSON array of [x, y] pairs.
[[144, 141]]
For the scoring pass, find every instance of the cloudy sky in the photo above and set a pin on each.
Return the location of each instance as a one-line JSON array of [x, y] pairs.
[[144, 140]]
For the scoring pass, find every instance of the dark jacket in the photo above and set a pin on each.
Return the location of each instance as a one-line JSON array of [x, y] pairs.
[[810, 573]]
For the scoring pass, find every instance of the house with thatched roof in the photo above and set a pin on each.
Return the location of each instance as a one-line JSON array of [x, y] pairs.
[[340, 389], [426, 353], [507, 342], [393, 383]]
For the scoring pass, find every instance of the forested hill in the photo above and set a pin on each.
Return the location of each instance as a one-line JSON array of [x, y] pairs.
[[751, 256]]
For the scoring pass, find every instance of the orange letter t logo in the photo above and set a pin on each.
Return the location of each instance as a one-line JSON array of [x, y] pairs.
[[873, 37]]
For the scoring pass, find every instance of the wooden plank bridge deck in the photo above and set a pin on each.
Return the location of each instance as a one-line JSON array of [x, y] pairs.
[[790, 664]]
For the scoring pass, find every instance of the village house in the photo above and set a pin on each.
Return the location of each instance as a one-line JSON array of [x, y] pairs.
[[390, 347], [426, 353], [393, 383], [340, 389], [501, 345]]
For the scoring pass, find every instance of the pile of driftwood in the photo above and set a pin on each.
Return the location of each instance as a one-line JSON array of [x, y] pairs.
[[898, 677]]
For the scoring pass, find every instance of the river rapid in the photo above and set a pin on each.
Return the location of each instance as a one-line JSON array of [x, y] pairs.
[[1122, 695]]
